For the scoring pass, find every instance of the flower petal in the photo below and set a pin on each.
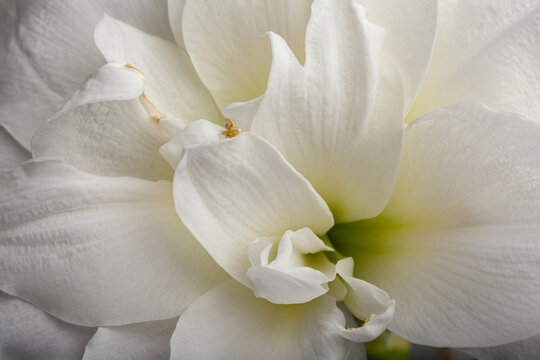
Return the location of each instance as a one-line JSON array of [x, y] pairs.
[[261, 330], [12, 153], [522, 350], [224, 41], [458, 241], [176, 10], [113, 138], [235, 191], [48, 51], [141, 341], [198, 132], [95, 250], [171, 81], [314, 114], [29, 333], [410, 49], [486, 51]]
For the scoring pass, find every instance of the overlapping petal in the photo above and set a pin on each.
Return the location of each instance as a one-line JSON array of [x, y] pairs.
[[105, 129], [48, 51], [261, 330], [142, 341], [458, 241], [338, 119], [488, 52], [94, 250], [232, 192], [12, 153], [235, 64], [171, 81], [521, 350], [29, 333]]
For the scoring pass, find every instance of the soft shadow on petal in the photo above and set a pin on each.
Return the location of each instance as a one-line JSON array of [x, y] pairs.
[[141, 341], [96, 250], [251, 328], [522, 350], [12, 154], [29, 333]]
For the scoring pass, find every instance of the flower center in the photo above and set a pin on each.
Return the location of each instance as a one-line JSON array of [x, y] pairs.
[[230, 129]]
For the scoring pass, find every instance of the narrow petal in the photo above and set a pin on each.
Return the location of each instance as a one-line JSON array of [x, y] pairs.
[[522, 350], [95, 250], [486, 51], [313, 114], [411, 49], [261, 330], [458, 241], [142, 341], [232, 192], [12, 153], [171, 81], [225, 41], [48, 51], [29, 333]]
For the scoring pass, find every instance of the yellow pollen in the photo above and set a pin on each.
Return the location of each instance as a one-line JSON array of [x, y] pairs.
[[150, 108], [139, 72], [349, 328], [366, 321], [230, 129]]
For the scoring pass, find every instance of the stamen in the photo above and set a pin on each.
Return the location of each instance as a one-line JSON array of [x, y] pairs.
[[150, 108], [139, 72], [366, 321], [230, 129]]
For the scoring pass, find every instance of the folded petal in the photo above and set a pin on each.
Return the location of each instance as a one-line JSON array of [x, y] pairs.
[[521, 350], [338, 120], [12, 153], [224, 40], [486, 51], [261, 330], [232, 192], [141, 341], [409, 28], [29, 333], [457, 246], [48, 51], [171, 81], [176, 10], [94, 250]]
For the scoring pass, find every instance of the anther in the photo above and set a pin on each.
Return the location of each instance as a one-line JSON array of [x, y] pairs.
[[230, 129]]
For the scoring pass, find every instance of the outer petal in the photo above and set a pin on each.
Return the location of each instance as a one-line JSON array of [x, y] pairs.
[[410, 28], [235, 191], [12, 153], [94, 250], [486, 51], [327, 118], [48, 51], [172, 83], [458, 241], [29, 333], [106, 137], [261, 330], [224, 40], [142, 341], [521, 350], [176, 10]]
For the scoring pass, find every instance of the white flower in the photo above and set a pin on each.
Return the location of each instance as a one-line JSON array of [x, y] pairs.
[[94, 238]]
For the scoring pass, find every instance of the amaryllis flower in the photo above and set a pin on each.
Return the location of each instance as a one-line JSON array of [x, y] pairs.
[[149, 226]]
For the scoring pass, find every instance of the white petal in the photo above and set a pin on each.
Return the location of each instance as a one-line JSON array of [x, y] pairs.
[[298, 273], [261, 330], [225, 41], [12, 153], [243, 112], [458, 241], [327, 118], [115, 138], [410, 49], [198, 132], [95, 250], [142, 341], [29, 333], [522, 350], [176, 10], [486, 51], [235, 191], [48, 51], [171, 81]]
